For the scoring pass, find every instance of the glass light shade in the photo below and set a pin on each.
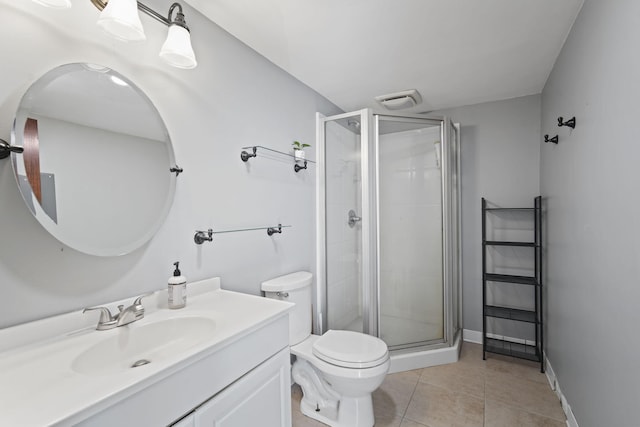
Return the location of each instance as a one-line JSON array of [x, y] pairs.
[[177, 50], [56, 4], [121, 20]]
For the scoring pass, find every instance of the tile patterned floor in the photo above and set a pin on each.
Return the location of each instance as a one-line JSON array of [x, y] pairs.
[[498, 392]]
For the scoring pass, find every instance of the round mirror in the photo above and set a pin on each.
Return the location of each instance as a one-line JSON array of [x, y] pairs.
[[95, 170]]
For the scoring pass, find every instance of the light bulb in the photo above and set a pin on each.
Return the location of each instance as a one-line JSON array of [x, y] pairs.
[[177, 50], [121, 20]]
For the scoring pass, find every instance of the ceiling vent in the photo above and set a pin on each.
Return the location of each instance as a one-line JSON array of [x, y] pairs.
[[400, 100]]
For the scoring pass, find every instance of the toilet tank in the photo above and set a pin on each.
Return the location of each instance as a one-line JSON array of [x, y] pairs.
[[295, 288]]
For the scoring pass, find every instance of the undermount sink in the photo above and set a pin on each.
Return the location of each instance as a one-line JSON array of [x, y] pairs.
[[132, 347]]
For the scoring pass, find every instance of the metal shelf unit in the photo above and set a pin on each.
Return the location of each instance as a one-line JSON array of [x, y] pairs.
[[493, 344]]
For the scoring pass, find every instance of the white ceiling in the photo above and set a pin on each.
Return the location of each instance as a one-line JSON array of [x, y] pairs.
[[454, 52]]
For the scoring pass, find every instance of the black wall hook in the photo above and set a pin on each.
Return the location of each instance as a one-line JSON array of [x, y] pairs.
[[177, 170], [554, 139], [298, 168], [246, 156], [272, 230], [6, 149], [571, 123]]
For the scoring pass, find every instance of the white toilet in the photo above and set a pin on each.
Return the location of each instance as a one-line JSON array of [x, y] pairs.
[[337, 371]]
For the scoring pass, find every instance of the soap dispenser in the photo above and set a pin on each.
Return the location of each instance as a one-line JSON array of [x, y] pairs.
[[177, 289]]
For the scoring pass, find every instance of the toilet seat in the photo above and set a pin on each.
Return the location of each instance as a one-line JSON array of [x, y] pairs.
[[350, 349]]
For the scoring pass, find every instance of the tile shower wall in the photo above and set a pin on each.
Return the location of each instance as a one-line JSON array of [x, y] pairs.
[[343, 193], [234, 98]]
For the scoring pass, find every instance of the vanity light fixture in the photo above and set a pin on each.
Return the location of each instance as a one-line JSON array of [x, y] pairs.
[[120, 19], [55, 4]]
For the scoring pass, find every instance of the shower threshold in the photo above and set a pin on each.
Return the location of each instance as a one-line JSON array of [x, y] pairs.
[[426, 356], [417, 355]]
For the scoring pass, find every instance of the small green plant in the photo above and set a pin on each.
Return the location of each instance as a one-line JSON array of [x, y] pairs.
[[297, 145]]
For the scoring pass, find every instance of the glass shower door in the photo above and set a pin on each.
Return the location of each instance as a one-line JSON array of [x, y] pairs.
[[410, 231], [347, 222]]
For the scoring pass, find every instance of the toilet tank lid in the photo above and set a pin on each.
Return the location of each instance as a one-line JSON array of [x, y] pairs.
[[288, 282]]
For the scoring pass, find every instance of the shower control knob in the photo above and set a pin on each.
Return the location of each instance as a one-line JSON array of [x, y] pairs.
[[353, 218]]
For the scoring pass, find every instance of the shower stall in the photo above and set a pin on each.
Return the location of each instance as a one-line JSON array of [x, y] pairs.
[[388, 233]]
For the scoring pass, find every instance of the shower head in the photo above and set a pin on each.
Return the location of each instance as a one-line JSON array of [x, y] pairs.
[[354, 124]]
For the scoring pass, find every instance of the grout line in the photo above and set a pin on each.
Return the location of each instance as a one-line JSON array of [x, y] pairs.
[[412, 394], [414, 422], [456, 391]]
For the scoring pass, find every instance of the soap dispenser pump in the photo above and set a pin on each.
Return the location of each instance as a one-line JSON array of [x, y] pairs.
[[177, 289]]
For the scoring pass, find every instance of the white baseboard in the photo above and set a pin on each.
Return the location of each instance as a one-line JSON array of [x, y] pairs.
[[551, 375], [555, 386], [469, 335], [476, 337]]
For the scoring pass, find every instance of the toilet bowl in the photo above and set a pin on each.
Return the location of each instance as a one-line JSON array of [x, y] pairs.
[[337, 371]]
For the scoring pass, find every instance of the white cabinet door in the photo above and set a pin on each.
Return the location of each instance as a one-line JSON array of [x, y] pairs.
[[261, 398]]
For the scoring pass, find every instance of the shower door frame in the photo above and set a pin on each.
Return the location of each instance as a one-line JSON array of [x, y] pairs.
[[368, 270], [451, 250], [450, 240]]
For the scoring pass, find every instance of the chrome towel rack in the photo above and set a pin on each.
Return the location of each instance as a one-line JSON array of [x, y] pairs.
[[299, 165], [207, 236]]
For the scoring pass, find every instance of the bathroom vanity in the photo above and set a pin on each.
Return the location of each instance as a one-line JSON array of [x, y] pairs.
[[221, 361]]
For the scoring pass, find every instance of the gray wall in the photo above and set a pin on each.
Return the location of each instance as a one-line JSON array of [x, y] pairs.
[[234, 98], [590, 182], [500, 155]]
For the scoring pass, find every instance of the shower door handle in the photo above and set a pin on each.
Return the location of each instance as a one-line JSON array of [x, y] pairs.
[[353, 218]]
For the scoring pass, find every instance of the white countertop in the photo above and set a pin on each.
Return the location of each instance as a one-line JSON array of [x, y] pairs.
[[38, 386]]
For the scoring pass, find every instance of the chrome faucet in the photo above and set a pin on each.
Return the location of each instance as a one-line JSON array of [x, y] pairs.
[[125, 315]]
